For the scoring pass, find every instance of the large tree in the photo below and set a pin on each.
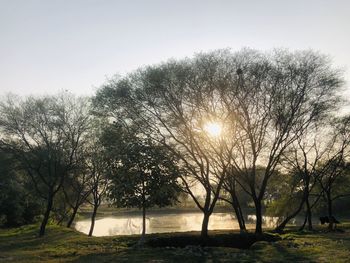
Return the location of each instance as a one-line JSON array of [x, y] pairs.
[[172, 104], [262, 102], [273, 98], [44, 134]]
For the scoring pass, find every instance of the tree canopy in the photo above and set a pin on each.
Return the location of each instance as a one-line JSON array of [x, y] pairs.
[[263, 102]]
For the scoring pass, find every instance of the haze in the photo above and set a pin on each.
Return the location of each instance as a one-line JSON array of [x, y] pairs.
[[50, 46]]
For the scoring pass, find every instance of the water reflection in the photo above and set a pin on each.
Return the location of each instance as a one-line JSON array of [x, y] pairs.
[[268, 221], [162, 223]]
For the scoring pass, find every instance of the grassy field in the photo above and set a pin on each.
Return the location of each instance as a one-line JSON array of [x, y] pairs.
[[66, 245]]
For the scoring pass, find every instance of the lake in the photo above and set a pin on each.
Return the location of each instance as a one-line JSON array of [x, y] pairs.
[[165, 223]]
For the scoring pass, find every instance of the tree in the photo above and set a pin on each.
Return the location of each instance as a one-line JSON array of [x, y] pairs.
[[263, 103], [231, 187], [144, 176], [286, 198], [76, 190], [273, 99], [18, 205], [171, 105], [335, 168], [316, 155], [303, 159], [44, 135], [97, 167]]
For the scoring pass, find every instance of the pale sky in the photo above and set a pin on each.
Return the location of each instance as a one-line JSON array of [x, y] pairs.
[[47, 46]]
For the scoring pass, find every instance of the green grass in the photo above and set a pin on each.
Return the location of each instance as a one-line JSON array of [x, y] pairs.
[[66, 245]]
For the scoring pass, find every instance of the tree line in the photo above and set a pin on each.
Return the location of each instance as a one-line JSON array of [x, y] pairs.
[[141, 141]]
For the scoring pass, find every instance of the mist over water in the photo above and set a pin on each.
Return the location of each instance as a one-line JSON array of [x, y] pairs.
[[165, 223]]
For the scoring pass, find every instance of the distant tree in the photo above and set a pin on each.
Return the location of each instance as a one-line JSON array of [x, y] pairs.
[[88, 182], [18, 204], [338, 193], [60, 210], [76, 189], [95, 169], [232, 187], [143, 176], [335, 169], [314, 160], [44, 135], [302, 159], [285, 198]]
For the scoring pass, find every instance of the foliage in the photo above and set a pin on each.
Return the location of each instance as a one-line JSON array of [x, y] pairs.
[[264, 102], [268, 150], [18, 204], [144, 175], [44, 135]]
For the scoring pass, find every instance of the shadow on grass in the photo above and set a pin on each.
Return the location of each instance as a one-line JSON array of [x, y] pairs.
[[28, 239], [284, 254], [66, 245], [233, 240], [142, 255]]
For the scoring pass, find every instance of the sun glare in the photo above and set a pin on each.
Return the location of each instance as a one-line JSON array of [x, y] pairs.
[[213, 128]]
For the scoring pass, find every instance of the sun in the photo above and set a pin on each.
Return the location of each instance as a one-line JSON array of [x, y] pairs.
[[213, 129]]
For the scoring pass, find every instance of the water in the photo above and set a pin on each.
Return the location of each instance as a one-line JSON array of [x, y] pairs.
[[165, 223]]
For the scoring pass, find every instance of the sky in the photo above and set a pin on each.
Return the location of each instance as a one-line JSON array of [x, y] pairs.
[[47, 46]]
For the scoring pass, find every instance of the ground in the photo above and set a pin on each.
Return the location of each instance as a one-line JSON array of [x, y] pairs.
[[66, 245]]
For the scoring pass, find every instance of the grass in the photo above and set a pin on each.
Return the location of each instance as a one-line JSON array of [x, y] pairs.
[[66, 245]]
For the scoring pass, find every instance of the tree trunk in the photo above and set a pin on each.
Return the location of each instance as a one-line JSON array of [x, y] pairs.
[[205, 223], [93, 220], [143, 234], [330, 211], [258, 214], [239, 215], [305, 199], [283, 224], [308, 214], [75, 210], [46, 215], [236, 206], [143, 221], [304, 223]]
